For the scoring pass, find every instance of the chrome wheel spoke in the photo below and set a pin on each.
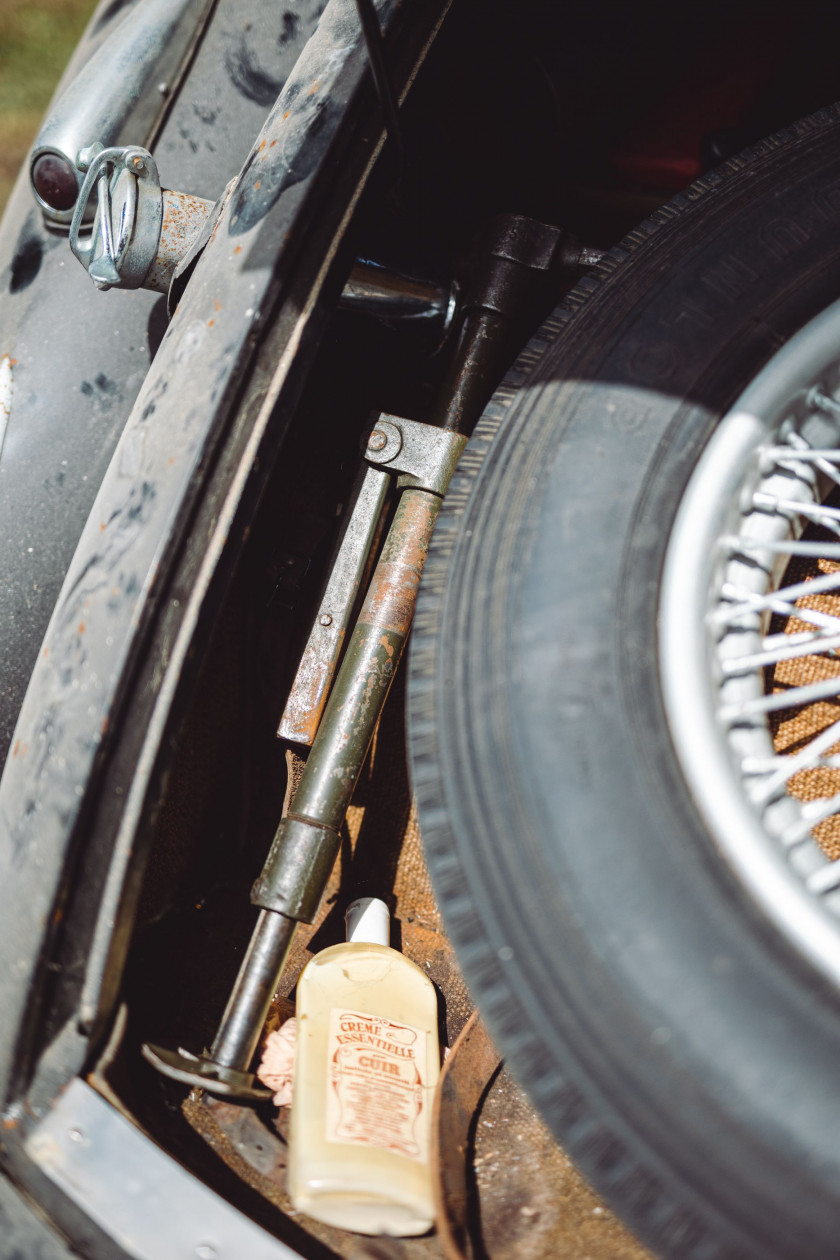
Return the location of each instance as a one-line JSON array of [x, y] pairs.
[[750, 638]]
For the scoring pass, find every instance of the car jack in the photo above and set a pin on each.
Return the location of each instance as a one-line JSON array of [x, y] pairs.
[[523, 265], [129, 232]]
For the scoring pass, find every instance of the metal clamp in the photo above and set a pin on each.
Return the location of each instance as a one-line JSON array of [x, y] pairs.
[[124, 239], [423, 454]]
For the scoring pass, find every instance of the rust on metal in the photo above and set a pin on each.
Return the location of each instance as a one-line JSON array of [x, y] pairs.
[[365, 676], [319, 661], [6, 389], [389, 604], [307, 839], [463, 1080], [183, 218], [309, 693]]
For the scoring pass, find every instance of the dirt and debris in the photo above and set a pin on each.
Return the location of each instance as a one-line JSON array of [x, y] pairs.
[[530, 1203]]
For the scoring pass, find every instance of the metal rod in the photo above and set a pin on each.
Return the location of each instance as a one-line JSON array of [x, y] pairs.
[[372, 657], [304, 849], [329, 777], [382, 80], [400, 300], [255, 986], [305, 704], [472, 374], [302, 855]]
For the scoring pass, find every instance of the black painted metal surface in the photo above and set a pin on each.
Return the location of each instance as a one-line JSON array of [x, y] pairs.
[[80, 357], [141, 585]]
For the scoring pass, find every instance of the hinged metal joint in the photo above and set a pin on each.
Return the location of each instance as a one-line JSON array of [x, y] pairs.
[[423, 454]]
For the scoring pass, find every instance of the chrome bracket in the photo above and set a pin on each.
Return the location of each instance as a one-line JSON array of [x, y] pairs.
[[123, 241], [141, 233]]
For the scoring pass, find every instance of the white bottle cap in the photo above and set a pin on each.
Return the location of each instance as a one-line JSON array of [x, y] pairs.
[[368, 921]]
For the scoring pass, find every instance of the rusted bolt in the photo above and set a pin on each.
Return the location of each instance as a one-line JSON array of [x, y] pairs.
[[138, 163], [377, 440], [325, 619]]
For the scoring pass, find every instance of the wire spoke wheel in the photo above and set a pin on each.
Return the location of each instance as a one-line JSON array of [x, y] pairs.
[[750, 638], [624, 714]]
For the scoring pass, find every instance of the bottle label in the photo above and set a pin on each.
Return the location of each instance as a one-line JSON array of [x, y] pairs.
[[376, 1093]]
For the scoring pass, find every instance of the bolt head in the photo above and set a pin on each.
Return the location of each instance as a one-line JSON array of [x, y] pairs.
[[377, 440], [138, 163], [325, 619]]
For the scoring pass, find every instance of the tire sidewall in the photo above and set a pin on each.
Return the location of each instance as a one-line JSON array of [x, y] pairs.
[[684, 1052]]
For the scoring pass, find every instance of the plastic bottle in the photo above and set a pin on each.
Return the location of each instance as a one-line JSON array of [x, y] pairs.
[[366, 1064]]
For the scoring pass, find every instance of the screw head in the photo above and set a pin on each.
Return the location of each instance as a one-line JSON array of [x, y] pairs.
[[75, 1135], [325, 619], [377, 440]]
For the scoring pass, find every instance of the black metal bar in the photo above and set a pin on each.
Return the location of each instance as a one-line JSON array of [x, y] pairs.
[[382, 80]]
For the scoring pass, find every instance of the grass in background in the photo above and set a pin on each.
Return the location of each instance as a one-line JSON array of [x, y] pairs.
[[37, 39]]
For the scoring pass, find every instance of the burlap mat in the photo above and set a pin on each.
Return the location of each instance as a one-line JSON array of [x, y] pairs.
[[793, 728]]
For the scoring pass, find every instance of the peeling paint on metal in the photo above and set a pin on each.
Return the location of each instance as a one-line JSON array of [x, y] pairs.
[[314, 677], [6, 391], [389, 604]]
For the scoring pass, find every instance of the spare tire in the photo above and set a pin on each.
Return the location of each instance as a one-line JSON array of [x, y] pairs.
[[681, 1038]]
